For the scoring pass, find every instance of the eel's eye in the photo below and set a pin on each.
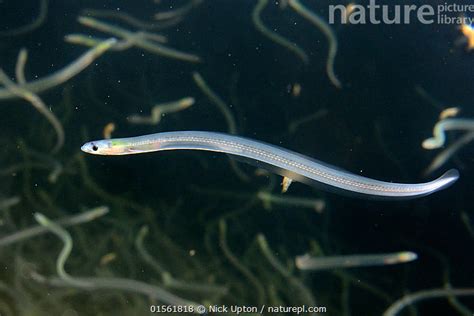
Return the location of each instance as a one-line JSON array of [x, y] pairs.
[[95, 148]]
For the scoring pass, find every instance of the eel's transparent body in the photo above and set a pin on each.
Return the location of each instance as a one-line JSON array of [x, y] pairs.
[[282, 161]]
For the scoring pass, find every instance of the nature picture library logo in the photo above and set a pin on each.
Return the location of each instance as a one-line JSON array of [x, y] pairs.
[[375, 13]]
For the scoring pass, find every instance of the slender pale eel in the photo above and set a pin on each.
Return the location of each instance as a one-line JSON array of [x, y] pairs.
[[439, 131], [282, 161], [274, 36], [307, 262]]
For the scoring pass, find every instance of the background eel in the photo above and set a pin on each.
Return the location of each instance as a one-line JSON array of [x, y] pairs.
[[282, 161]]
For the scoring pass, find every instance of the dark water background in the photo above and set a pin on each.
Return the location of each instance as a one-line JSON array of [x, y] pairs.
[[374, 127]]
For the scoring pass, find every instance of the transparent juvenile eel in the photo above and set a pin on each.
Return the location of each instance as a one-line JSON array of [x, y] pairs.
[[282, 161], [307, 262]]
